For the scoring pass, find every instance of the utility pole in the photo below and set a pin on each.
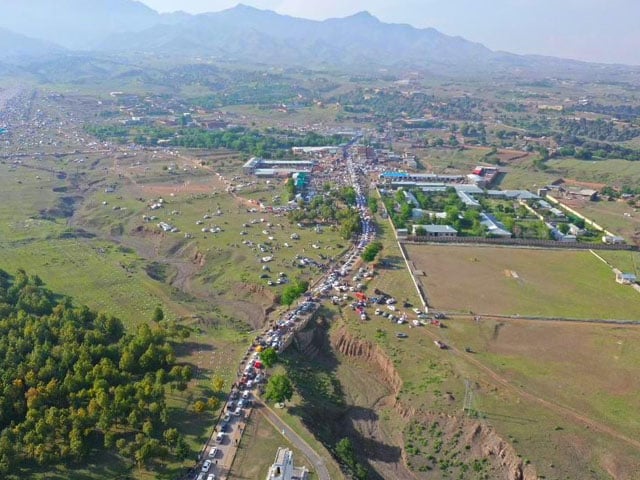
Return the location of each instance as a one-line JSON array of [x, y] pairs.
[[468, 397]]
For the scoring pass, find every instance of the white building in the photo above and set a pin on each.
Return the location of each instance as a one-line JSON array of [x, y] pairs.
[[283, 468]]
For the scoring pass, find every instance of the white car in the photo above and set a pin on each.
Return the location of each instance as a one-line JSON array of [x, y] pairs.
[[206, 466]]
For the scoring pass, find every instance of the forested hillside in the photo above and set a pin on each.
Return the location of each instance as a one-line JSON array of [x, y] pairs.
[[74, 382]]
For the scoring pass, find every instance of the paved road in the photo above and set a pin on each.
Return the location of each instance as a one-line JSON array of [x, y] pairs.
[[297, 441], [233, 436]]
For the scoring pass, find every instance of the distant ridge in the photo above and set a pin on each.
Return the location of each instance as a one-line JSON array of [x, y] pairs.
[[262, 37], [15, 47]]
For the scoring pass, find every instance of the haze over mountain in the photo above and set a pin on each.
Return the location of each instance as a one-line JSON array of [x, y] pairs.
[[76, 24], [248, 35], [15, 47]]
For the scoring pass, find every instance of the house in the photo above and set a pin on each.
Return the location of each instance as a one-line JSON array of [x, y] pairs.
[[417, 213], [283, 468], [410, 198], [612, 240], [577, 231], [494, 227], [437, 230], [558, 236], [467, 199], [402, 233], [588, 194]]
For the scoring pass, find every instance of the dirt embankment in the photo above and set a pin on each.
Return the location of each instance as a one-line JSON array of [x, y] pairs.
[[350, 346], [473, 439]]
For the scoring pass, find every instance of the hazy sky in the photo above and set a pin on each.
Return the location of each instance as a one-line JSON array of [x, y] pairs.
[[594, 30]]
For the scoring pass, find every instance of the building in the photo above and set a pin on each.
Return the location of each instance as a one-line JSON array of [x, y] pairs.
[[257, 165], [437, 230], [494, 227], [587, 194], [283, 468], [483, 176], [467, 199], [330, 150], [612, 240], [301, 180], [418, 179]]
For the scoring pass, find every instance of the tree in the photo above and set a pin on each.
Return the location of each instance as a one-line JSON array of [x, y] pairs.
[[293, 291], [290, 188], [171, 436], [269, 356], [182, 448], [217, 383], [345, 452], [370, 252], [279, 388], [372, 203], [347, 456], [158, 315], [199, 406]]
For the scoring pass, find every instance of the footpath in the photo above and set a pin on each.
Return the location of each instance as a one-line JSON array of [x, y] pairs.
[[295, 439]]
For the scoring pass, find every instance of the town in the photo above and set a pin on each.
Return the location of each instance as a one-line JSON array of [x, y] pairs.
[[320, 250]]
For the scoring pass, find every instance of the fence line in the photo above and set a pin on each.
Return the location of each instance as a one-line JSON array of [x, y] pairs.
[[522, 242]]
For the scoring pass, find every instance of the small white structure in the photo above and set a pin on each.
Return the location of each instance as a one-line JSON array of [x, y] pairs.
[[283, 468], [625, 278], [612, 240]]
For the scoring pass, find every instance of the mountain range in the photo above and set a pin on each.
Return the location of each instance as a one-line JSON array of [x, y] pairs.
[[245, 34]]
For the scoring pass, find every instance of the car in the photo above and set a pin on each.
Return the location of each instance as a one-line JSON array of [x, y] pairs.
[[238, 411], [206, 465], [213, 452], [200, 476], [226, 418], [246, 395], [402, 335], [220, 437], [211, 476]]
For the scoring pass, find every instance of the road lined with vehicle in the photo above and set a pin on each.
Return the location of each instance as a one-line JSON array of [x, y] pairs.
[[218, 454]]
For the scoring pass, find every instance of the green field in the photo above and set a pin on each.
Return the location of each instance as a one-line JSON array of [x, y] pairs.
[[526, 282], [98, 249], [585, 368]]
